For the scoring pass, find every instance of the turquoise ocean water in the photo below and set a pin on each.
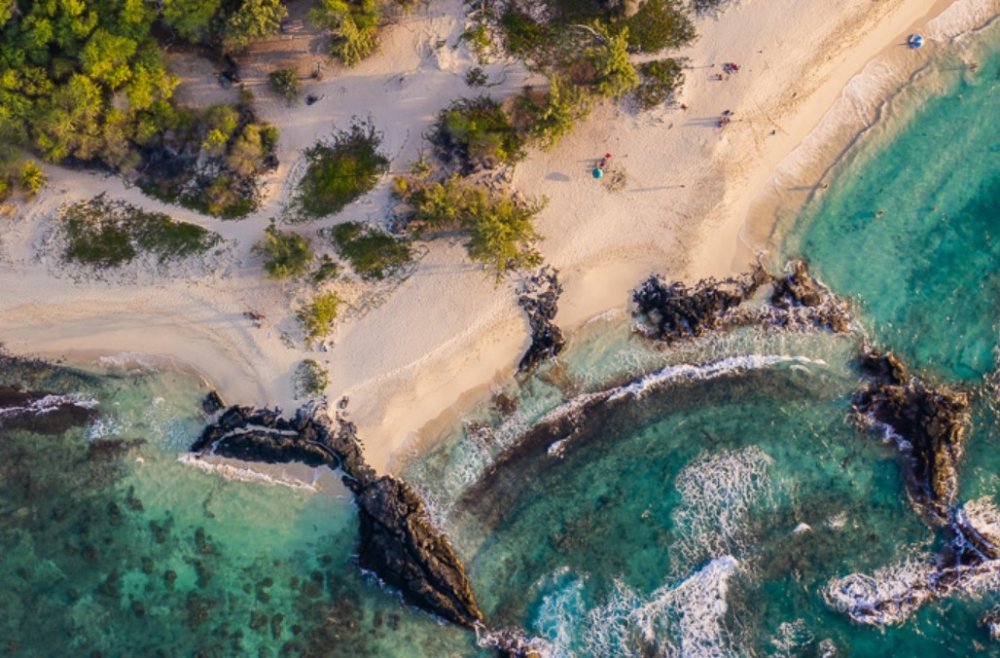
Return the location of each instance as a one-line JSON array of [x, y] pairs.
[[704, 511]]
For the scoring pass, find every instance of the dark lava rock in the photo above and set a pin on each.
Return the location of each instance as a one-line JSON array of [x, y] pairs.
[[399, 543], [928, 424], [539, 297], [800, 290], [212, 403], [672, 311]]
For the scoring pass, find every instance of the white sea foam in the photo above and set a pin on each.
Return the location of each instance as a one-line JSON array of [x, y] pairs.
[[893, 593], [690, 372], [48, 404], [960, 17], [675, 620], [125, 360], [242, 473], [718, 491]]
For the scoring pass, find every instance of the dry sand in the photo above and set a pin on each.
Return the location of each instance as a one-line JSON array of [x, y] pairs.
[[414, 352]]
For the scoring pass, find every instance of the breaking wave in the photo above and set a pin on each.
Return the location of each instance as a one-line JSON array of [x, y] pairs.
[[243, 474], [718, 491], [682, 619]]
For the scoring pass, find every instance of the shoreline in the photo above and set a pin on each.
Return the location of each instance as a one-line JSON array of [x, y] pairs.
[[447, 336]]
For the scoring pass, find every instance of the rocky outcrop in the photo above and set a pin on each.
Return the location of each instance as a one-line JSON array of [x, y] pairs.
[[673, 311], [212, 402], [801, 299], [928, 425], [398, 541], [539, 297]]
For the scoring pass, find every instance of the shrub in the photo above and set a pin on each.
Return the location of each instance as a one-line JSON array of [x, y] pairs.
[[316, 318], [553, 118], [339, 171], [354, 24], [659, 24], [659, 80], [310, 379], [476, 132], [523, 35], [476, 77], [326, 271], [371, 252], [286, 254], [285, 83], [108, 234], [32, 177], [501, 229], [614, 74]]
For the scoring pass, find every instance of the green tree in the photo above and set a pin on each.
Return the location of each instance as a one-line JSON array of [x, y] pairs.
[[253, 20], [32, 177], [191, 19], [660, 24], [563, 106], [286, 254], [615, 75]]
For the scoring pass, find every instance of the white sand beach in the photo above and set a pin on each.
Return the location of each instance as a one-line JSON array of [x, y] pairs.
[[696, 201]]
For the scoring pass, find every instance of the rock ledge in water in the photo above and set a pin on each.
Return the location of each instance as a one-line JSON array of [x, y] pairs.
[[539, 297], [398, 542]]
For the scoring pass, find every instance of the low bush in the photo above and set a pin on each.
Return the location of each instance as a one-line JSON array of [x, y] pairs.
[[310, 379], [339, 171], [326, 271], [285, 254], [371, 252], [285, 83], [354, 25], [552, 117], [659, 24], [501, 230], [316, 318], [106, 234], [476, 133], [32, 178], [659, 80]]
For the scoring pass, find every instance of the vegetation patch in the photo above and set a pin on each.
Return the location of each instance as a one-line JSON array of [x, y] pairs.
[[502, 235], [286, 83], [19, 176], [104, 234], [659, 81], [316, 318], [658, 25], [476, 133], [83, 82], [286, 254], [210, 161], [372, 253], [310, 379], [339, 171], [354, 25]]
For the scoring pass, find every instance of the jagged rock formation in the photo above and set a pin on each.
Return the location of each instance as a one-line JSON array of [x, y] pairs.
[[398, 542], [672, 311], [802, 300], [927, 423], [539, 297], [212, 402]]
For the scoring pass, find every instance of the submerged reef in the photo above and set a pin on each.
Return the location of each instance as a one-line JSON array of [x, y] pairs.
[[672, 311], [539, 297], [927, 424], [398, 541]]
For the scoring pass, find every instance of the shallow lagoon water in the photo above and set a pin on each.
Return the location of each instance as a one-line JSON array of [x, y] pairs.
[[703, 517]]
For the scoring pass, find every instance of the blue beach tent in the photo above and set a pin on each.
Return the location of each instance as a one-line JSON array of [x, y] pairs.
[[915, 41]]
